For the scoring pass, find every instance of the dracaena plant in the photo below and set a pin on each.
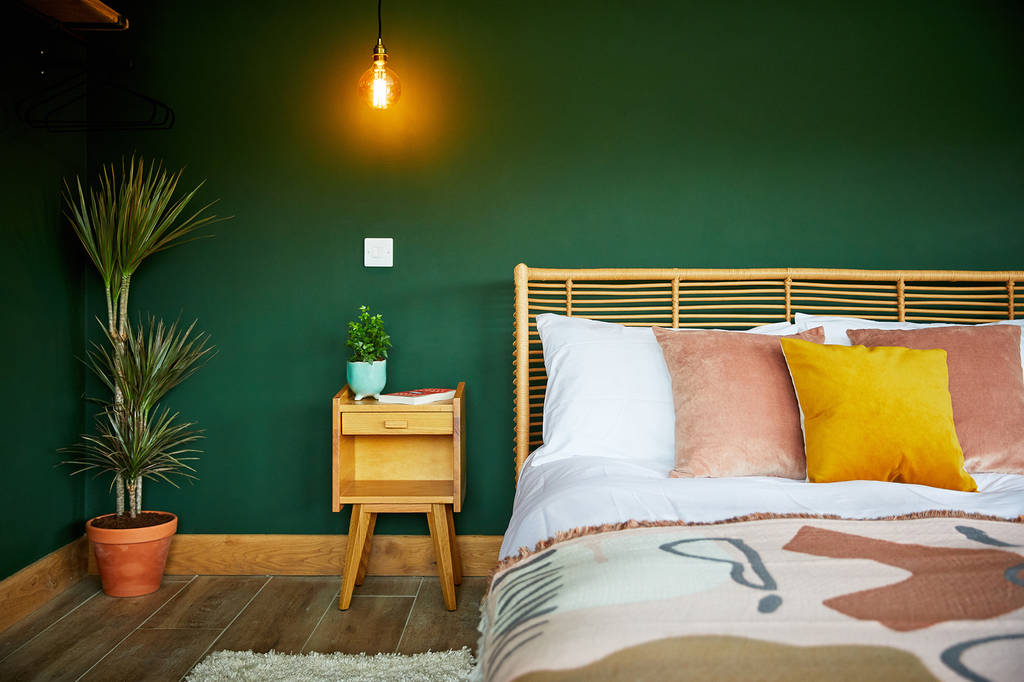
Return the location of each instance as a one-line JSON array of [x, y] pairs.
[[130, 215], [367, 338]]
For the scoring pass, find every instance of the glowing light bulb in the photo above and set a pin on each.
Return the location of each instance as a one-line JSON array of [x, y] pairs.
[[379, 86]]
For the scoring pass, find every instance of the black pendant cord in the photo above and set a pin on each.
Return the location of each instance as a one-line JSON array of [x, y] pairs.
[[378, 21]]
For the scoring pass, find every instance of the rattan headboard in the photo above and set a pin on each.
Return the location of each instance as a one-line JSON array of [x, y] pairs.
[[739, 299]]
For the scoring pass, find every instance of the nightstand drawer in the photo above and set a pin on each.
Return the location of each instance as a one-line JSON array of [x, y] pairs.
[[396, 423]]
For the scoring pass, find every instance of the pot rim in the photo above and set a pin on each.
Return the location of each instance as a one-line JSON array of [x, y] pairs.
[[130, 536]]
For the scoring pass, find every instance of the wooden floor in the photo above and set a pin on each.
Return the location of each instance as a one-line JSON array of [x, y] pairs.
[[83, 634]]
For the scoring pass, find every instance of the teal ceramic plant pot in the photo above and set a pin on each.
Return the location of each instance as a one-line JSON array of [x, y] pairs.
[[367, 378]]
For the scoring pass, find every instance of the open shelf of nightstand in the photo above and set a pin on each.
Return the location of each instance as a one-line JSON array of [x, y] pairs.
[[370, 492]]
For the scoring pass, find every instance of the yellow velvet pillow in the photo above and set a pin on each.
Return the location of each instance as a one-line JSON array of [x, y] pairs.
[[877, 414]]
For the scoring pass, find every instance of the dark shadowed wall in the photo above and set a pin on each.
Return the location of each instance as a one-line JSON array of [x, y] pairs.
[[703, 134], [41, 506]]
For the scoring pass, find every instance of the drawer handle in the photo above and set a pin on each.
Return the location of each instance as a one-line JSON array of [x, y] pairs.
[[396, 424]]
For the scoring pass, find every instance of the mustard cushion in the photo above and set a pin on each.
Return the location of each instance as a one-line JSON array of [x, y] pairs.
[[877, 414]]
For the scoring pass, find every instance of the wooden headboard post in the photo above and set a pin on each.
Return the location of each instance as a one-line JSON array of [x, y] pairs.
[[522, 369], [738, 299]]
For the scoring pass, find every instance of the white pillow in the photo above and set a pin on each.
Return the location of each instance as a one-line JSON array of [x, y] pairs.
[[608, 391], [836, 327]]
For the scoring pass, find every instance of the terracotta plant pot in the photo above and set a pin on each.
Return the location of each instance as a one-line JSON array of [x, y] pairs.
[[131, 560]]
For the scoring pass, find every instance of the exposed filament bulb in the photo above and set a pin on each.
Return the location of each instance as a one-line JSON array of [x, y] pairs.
[[379, 86]]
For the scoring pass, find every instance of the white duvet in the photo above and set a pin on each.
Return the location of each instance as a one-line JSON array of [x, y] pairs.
[[587, 491]]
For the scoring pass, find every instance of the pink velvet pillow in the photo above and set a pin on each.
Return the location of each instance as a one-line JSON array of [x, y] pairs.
[[736, 412], [985, 384]]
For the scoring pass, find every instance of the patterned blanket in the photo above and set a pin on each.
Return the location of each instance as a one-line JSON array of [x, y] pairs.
[[765, 599]]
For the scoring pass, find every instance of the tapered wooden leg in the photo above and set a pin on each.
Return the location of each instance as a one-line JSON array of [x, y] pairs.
[[364, 560], [456, 557], [438, 522], [357, 528]]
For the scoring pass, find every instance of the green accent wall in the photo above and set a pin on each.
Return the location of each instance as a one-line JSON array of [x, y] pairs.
[[696, 134], [41, 506]]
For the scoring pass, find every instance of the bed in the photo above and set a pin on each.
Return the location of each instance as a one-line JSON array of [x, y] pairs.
[[617, 566]]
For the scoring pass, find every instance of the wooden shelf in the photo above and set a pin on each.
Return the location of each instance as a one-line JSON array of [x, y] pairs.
[[80, 14], [423, 492]]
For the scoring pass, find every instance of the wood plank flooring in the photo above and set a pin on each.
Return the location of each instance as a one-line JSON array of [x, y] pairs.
[[82, 634]]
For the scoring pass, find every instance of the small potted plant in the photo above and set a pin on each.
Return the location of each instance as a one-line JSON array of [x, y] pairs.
[[126, 219], [367, 368]]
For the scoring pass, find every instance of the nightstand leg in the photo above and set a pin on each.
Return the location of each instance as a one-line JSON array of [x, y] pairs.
[[364, 561], [353, 554], [456, 556], [438, 522]]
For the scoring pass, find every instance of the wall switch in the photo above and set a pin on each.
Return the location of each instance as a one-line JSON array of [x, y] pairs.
[[378, 252]]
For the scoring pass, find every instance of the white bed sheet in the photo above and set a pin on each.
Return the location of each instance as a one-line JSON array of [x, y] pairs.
[[587, 491]]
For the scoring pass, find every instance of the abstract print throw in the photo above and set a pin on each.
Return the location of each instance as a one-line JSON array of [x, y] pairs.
[[784, 598]]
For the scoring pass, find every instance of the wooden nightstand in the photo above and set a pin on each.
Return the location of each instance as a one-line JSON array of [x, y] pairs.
[[399, 458]]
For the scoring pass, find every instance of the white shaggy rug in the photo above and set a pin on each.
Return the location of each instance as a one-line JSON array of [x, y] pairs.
[[439, 666]]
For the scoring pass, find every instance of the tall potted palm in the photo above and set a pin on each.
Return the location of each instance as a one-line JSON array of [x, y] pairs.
[[129, 216]]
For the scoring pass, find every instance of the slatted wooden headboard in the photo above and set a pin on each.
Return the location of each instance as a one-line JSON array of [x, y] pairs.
[[736, 299]]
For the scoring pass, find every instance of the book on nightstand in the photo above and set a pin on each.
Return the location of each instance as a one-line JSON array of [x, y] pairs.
[[419, 396]]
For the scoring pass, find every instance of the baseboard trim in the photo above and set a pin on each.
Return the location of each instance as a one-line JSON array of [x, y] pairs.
[[317, 555], [39, 582]]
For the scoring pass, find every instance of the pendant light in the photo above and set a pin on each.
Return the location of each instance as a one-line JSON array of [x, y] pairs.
[[379, 86]]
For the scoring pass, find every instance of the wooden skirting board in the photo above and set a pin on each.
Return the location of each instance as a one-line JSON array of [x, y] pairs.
[[37, 583], [34, 585], [316, 555]]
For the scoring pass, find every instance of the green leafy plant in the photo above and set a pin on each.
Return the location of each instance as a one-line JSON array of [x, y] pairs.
[[367, 338], [138, 440], [128, 217]]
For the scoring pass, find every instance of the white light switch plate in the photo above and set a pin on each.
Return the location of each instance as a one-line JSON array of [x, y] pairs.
[[378, 252]]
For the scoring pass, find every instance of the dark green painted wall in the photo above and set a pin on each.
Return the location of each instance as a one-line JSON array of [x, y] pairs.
[[41, 506], [571, 134], [710, 134]]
